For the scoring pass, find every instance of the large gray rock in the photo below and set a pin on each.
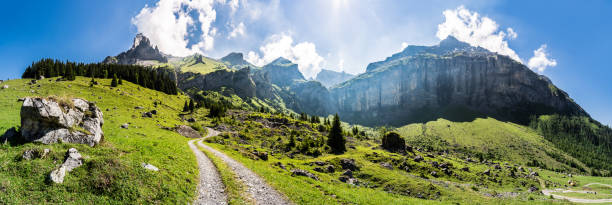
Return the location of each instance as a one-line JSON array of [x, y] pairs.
[[47, 121], [73, 160], [187, 131]]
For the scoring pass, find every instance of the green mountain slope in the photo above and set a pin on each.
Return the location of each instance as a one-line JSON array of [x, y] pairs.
[[112, 171], [490, 139]]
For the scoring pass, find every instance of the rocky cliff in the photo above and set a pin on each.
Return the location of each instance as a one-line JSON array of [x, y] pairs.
[[141, 53], [452, 80], [330, 78], [282, 72], [236, 61], [240, 81]]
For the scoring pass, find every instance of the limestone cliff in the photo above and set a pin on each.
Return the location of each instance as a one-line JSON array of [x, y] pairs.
[[330, 78], [452, 80], [141, 53]]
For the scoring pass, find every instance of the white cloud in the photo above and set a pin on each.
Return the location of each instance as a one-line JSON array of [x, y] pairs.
[[540, 60], [341, 65], [168, 24], [404, 45], [470, 27], [237, 31], [281, 45]]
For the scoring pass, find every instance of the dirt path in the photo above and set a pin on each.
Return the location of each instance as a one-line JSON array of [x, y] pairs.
[[548, 192], [260, 191], [210, 187]]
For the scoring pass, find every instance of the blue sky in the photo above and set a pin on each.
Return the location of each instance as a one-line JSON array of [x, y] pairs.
[[332, 34]]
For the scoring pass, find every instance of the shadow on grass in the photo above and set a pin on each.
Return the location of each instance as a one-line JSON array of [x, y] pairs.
[[12, 137]]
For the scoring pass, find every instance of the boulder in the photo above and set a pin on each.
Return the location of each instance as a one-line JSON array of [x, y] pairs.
[[5, 86], [191, 120], [487, 172], [138, 108], [393, 142], [418, 158], [187, 131], [30, 154], [349, 164], [301, 172], [149, 167], [125, 126], [147, 114], [348, 173], [153, 112], [387, 165], [532, 189], [73, 160], [69, 121]]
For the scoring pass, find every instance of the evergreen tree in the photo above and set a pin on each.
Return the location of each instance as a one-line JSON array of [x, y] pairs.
[[335, 140], [114, 81], [191, 105], [186, 107], [120, 81]]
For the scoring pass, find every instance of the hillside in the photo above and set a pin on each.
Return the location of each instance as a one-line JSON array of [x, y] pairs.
[[112, 171]]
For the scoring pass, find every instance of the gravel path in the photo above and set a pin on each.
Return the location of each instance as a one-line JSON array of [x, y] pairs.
[[210, 187], [549, 192], [261, 192]]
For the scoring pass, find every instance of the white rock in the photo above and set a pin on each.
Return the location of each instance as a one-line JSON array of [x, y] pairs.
[[5, 86], [58, 175], [149, 167]]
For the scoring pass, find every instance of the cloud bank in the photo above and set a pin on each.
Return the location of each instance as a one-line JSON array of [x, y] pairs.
[[540, 60], [303, 54], [470, 27], [170, 23]]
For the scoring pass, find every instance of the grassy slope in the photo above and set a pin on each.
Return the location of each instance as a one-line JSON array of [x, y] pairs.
[[491, 138], [188, 64], [112, 171], [378, 185]]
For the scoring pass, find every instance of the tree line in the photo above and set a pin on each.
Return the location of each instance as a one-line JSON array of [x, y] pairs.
[[144, 76]]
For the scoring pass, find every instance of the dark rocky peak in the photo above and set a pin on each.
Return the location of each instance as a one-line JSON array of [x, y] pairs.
[[451, 42], [142, 52], [330, 78], [280, 61]]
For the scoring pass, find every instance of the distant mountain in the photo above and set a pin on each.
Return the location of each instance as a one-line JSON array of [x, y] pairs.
[[236, 61], [282, 72], [330, 78], [452, 80], [141, 53]]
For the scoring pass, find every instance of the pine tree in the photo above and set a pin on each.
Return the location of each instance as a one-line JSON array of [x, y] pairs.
[[186, 107], [114, 81], [191, 105], [335, 140], [120, 81]]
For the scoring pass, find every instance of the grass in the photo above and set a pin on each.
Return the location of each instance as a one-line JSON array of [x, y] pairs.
[[235, 190], [112, 170], [489, 139]]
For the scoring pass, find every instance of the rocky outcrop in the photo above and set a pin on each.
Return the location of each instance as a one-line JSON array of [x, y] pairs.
[[452, 80], [282, 72], [187, 131], [72, 161], [239, 81], [49, 121], [141, 53], [236, 61], [329, 78]]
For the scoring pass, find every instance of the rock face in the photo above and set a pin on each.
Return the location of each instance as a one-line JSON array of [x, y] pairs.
[[71, 121], [240, 81], [329, 78], [141, 53], [452, 80], [73, 160], [236, 61], [282, 72]]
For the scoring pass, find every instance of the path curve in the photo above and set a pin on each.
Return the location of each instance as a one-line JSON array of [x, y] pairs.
[[548, 192], [210, 187], [261, 192]]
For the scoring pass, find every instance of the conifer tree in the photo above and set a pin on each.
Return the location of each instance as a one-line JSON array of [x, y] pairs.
[[191, 105], [186, 107], [120, 81], [335, 140], [114, 81]]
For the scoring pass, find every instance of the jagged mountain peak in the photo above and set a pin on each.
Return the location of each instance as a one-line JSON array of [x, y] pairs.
[[280, 61], [236, 60], [141, 52], [452, 42]]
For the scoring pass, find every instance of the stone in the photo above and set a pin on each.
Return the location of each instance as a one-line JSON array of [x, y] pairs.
[[153, 112], [434, 174], [393, 142], [387, 165], [534, 174], [532, 189], [5, 86], [125, 125], [520, 169], [149, 167], [348, 173], [72, 121], [262, 155], [138, 108], [191, 120], [301, 172], [30, 154], [72, 161], [349, 164], [496, 166], [147, 114], [330, 168], [487, 172], [418, 158], [45, 153], [465, 169], [319, 163], [187, 131]]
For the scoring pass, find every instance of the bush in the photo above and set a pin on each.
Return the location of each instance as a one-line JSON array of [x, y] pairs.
[[393, 142]]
